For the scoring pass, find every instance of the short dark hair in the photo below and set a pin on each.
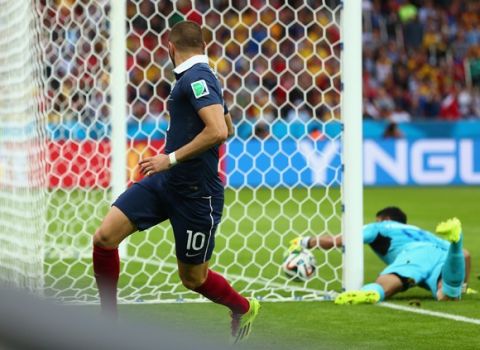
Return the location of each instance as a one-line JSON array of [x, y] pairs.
[[394, 213], [186, 36]]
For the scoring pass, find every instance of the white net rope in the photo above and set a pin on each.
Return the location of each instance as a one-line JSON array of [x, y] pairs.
[[279, 63], [22, 149]]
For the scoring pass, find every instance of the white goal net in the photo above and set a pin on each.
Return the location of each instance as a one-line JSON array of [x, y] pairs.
[[22, 148], [279, 64]]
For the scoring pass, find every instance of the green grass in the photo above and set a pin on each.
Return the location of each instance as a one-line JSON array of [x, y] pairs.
[[322, 325], [250, 245], [319, 325]]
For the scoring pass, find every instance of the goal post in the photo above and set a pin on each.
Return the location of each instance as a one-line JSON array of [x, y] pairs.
[[118, 83], [352, 144], [291, 168]]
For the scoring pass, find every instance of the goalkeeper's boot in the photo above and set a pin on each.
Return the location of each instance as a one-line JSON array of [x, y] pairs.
[[467, 290], [451, 230], [242, 323], [357, 297], [470, 291]]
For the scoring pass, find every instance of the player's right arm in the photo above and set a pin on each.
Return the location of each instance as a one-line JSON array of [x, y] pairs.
[[215, 132]]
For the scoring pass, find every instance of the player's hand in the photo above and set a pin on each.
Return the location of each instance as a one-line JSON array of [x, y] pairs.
[[153, 165]]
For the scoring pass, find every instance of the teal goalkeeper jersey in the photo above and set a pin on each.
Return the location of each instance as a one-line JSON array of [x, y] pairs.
[[389, 238]]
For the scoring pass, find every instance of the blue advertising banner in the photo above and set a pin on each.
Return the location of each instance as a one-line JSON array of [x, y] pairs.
[[156, 129], [288, 162], [422, 162], [433, 153], [386, 162]]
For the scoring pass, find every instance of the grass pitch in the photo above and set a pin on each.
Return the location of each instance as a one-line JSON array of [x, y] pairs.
[[322, 325], [299, 325], [249, 247]]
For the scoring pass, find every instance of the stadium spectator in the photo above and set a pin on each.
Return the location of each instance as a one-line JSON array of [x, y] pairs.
[[413, 51], [432, 44], [392, 131]]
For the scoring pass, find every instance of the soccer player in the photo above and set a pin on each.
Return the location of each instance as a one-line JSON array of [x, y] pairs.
[[414, 257], [182, 185]]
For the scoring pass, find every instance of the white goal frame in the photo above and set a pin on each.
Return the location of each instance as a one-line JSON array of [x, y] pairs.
[[351, 26], [352, 150], [304, 178]]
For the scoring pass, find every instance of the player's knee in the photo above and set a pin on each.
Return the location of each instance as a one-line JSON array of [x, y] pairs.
[[192, 282], [103, 238], [390, 283]]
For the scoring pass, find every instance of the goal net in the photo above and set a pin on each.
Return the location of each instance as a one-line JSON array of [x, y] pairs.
[[279, 64], [22, 149]]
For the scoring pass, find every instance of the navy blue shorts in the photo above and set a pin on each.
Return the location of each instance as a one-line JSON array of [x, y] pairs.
[[194, 220]]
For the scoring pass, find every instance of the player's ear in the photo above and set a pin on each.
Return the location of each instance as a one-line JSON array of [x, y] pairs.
[[204, 46], [171, 52]]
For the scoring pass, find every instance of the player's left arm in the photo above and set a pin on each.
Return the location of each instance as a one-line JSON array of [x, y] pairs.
[[228, 121], [215, 132]]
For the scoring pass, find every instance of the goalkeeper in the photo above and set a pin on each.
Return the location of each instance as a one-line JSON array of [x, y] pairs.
[[414, 257]]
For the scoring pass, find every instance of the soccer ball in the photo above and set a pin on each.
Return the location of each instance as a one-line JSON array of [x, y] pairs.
[[299, 265]]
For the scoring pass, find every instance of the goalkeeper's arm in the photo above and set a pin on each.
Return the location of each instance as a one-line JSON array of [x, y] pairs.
[[322, 242], [369, 233]]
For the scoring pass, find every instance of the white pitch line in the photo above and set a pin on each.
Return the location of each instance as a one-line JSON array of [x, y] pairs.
[[431, 313]]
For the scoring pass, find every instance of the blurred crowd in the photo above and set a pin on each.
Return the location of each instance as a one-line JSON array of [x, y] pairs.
[[421, 59], [75, 40], [276, 59]]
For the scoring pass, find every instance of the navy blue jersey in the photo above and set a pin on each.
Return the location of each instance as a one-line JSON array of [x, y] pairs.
[[196, 87]]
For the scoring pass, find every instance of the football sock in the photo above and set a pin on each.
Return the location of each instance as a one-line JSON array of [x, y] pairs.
[[453, 271], [217, 289], [106, 267], [376, 288]]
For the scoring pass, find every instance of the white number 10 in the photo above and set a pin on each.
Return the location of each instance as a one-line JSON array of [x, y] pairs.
[[195, 240]]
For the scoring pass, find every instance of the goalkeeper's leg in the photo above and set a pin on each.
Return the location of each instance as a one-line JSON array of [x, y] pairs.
[[106, 262], [384, 287], [453, 271]]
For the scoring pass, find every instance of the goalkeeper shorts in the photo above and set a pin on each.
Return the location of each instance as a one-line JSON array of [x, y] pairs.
[[421, 263]]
